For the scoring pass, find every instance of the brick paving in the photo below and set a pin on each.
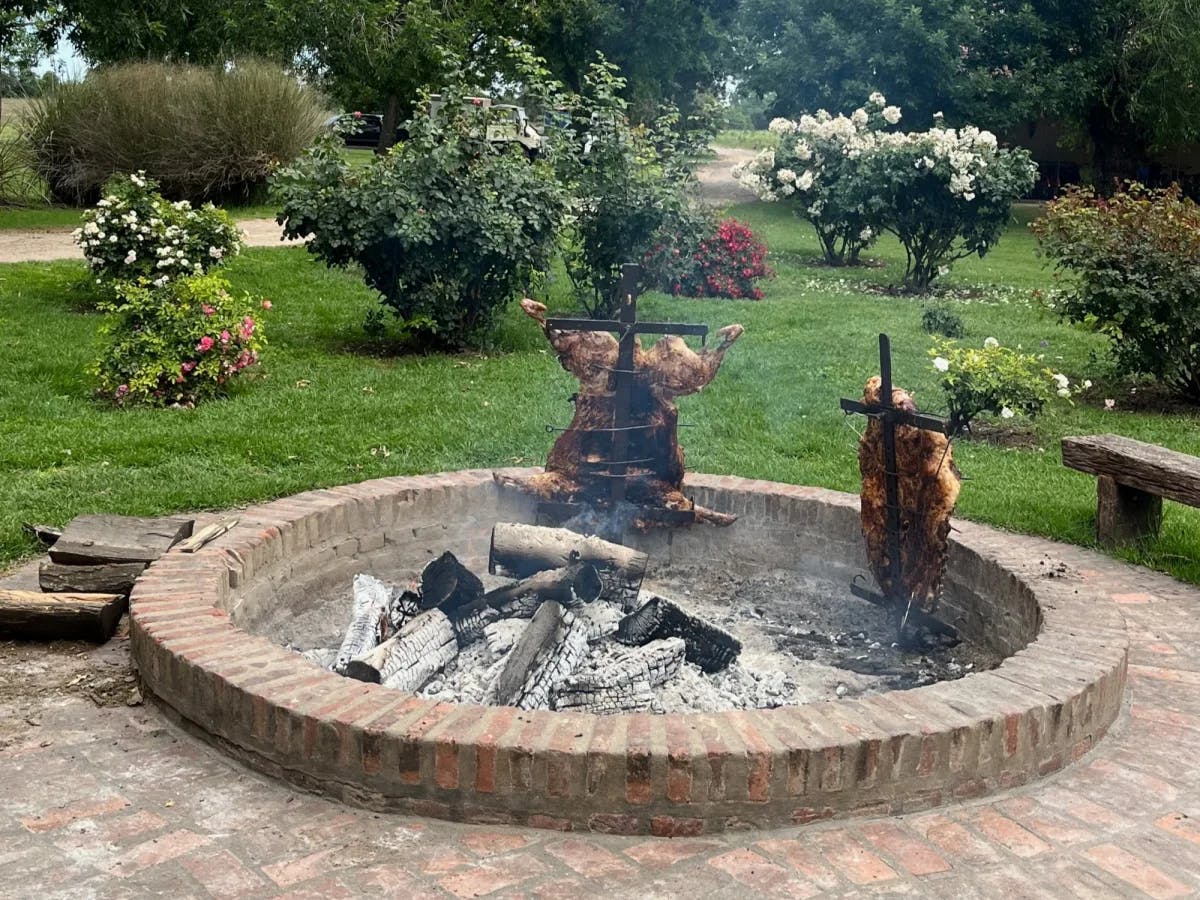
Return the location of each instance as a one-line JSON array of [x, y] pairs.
[[114, 801]]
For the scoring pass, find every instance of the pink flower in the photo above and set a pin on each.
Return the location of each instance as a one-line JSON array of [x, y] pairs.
[[225, 336], [266, 304], [247, 328], [206, 344], [187, 366], [1110, 404], [122, 390], [209, 311]]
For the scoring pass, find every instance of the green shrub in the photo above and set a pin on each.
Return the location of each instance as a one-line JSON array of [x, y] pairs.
[[134, 233], [177, 344], [710, 259], [943, 321], [1133, 267], [448, 227], [630, 185], [201, 133], [993, 379]]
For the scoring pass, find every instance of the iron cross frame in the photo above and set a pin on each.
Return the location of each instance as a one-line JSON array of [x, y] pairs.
[[889, 417], [627, 328]]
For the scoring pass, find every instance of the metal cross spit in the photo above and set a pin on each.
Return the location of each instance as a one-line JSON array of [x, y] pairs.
[[627, 328], [889, 417]]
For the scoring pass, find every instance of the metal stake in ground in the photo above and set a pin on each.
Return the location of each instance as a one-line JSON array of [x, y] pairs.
[[889, 417]]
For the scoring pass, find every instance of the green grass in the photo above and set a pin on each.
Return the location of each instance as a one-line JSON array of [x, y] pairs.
[[745, 140], [326, 410]]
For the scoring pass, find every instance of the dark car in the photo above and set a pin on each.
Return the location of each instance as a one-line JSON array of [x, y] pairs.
[[360, 129]]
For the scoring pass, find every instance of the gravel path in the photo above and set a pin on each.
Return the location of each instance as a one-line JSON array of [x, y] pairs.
[[716, 186]]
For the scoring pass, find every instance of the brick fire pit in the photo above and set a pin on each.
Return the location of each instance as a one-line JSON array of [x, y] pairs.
[[195, 617]]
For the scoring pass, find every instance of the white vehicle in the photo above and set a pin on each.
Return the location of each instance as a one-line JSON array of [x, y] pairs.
[[507, 123]]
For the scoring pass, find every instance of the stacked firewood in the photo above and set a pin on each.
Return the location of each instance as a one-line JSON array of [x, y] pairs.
[[563, 595]]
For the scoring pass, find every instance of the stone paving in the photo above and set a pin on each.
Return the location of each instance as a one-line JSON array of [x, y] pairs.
[[102, 799]]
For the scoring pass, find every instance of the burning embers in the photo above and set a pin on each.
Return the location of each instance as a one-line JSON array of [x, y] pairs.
[[621, 451], [567, 631]]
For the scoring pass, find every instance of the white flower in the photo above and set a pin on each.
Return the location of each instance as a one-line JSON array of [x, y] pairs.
[[783, 176], [1110, 405], [877, 98], [130, 258], [991, 343], [1064, 392], [104, 201], [866, 234], [216, 252], [803, 151], [805, 181], [1006, 413], [815, 209], [939, 115], [941, 364], [859, 117], [943, 271], [1062, 380], [891, 115], [159, 282], [781, 126], [1087, 383]]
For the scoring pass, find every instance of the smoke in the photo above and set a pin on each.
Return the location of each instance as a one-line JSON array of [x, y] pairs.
[[612, 523]]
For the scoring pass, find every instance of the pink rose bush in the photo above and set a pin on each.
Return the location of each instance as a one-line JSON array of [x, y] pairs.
[[178, 343]]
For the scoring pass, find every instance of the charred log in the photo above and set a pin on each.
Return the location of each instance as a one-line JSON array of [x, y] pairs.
[[539, 636], [368, 620], [626, 683], [708, 646], [523, 550], [409, 658], [572, 585], [447, 584], [551, 647]]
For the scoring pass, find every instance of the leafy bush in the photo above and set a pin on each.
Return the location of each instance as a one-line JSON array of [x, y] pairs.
[[630, 185], [1133, 261], [816, 169], [993, 379], [945, 194], [202, 133], [134, 233], [943, 321], [723, 260], [447, 226], [179, 344]]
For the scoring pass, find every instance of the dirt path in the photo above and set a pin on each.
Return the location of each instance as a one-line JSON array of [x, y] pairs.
[[716, 187]]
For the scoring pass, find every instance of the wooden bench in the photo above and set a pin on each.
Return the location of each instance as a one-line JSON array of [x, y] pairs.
[[1132, 478]]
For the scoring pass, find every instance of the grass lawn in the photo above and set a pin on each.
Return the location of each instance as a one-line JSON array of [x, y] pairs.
[[328, 410], [745, 140]]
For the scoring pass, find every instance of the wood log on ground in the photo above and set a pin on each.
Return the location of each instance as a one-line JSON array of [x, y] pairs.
[[110, 578], [410, 657], [67, 616], [709, 646], [368, 620], [46, 535], [92, 540], [447, 584], [625, 683], [542, 632], [572, 586], [522, 550], [206, 534]]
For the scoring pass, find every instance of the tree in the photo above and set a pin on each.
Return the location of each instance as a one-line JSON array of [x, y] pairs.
[[667, 50]]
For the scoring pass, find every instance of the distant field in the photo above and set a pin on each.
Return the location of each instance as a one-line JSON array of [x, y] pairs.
[[11, 110]]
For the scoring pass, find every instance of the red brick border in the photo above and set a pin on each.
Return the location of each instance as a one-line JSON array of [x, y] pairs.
[[1043, 707]]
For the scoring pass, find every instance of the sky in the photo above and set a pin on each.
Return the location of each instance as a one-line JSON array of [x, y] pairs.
[[63, 60]]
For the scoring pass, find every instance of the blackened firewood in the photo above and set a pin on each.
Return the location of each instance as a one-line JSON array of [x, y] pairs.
[[625, 683], [709, 646], [571, 585], [540, 634], [410, 657], [447, 584]]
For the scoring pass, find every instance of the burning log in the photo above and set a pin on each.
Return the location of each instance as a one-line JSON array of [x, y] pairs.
[[447, 584], [368, 620], [710, 647], [572, 585], [524, 550], [409, 658], [551, 647], [626, 683], [928, 484]]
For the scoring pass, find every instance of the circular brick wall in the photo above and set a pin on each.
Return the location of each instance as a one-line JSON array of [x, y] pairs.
[[1052, 698]]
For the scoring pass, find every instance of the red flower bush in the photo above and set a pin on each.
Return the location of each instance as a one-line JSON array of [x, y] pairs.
[[724, 264]]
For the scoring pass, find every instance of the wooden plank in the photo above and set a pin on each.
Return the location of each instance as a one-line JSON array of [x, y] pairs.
[[92, 540], [206, 534], [110, 578], [1147, 467], [67, 616], [1125, 515]]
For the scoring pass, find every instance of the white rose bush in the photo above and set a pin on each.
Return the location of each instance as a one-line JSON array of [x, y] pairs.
[[134, 233], [944, 193]]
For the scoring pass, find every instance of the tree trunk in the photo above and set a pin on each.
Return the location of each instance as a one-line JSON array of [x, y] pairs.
[[391, 118]]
